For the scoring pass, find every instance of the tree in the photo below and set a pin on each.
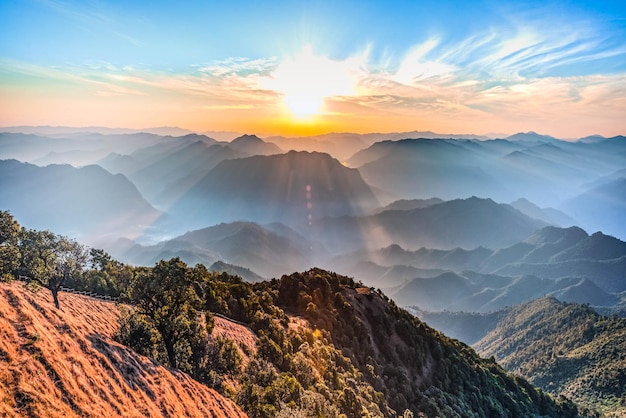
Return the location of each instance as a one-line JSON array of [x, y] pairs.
[[9, 254], [106, 276], [99, 258], [49, 259], [166, 295]]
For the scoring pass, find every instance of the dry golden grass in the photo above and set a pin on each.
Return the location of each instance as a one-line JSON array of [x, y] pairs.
[[244, 338], [63, 363]]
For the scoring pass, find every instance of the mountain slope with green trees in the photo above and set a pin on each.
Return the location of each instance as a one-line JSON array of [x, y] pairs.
[[566, 349], [563, 348], [325, 344]]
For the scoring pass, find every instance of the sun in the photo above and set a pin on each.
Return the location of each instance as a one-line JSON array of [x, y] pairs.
[[305, 81]]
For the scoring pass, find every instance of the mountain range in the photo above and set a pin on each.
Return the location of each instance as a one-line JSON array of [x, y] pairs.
[[461, 228], [268, 250], [448, 221], [84, 202], [293, 188], [565, 262], [542, 169]]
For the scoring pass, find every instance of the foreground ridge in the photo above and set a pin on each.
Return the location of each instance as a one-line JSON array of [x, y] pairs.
[[64, 363]]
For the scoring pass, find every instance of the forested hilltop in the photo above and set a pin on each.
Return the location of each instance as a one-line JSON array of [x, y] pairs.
[[325, 345], [563, 348]]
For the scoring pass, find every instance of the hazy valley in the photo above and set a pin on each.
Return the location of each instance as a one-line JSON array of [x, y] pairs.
[[470, 232]]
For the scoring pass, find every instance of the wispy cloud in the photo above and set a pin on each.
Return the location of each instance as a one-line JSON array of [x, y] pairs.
[[240, 67], [91, 15]]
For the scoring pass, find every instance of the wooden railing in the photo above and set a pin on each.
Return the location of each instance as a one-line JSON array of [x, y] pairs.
[[77, 292]]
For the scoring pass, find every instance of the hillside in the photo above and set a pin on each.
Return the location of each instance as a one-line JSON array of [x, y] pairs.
[[333, 347], [292, 188], [64, 363], [413, 365], [465, 223], [88, 201], [548, 172], [245, 244], [564, 262], [565, 349]]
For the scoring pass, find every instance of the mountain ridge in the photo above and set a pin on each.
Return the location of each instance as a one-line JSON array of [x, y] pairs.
[[564, 349], [74, 201], [303, 186]]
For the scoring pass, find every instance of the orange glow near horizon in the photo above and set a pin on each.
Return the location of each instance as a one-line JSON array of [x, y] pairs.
[[308, 94], [316, 67]]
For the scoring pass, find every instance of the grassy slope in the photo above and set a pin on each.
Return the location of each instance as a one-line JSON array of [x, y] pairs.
[[65, 364]]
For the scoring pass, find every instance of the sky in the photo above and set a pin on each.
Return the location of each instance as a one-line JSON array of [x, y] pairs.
[[303, 67]]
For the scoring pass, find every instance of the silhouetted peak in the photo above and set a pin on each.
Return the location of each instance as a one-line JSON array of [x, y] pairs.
[[523, 201], [474, 201], [530, 136], [393, 249], [247, 139], [592, 139], [553, 234]]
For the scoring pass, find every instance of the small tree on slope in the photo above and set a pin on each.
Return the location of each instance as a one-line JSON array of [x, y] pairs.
[[49, 259]]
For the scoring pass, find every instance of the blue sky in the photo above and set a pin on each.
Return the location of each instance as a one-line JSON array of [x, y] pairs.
[[314, 66]]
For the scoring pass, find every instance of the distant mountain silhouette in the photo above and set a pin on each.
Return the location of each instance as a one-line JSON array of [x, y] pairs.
[[253, 145], [554, 253], [292, 188], [531, 136], [245, 244], [88, 202], [464, 223], [405, 204], [166, 179], [548, 215], [344, 145], [436, 293], [527, 169], [118, 164], [30, 147], [541, 169], [102, 130], [539, 247], [338, 145], [482, 293], [423, 168], [565, 262], [76, 158], [602, 208]]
